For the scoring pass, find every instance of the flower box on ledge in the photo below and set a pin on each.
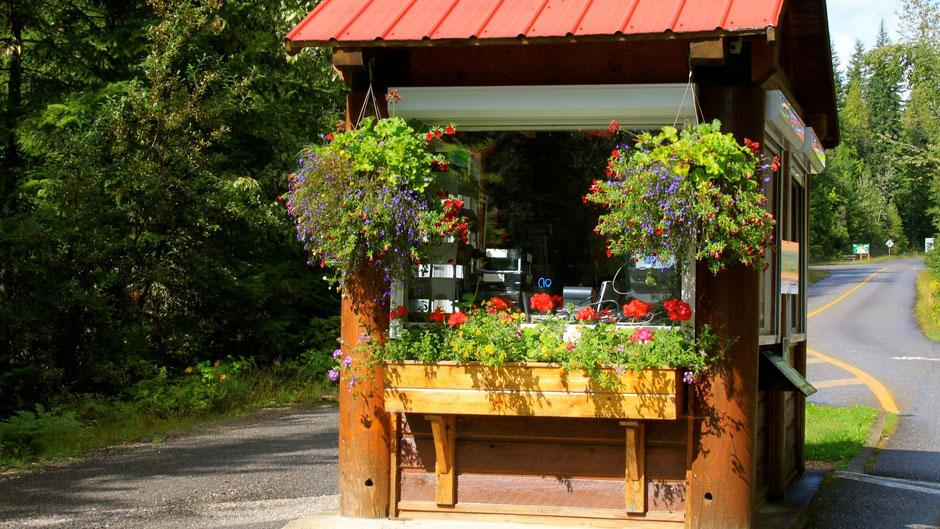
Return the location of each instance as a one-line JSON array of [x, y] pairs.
[[535, 389]]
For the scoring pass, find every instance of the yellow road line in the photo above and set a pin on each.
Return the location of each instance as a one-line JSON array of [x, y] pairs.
[[840, 298], [835, 383], [815, 361], [876, 387]]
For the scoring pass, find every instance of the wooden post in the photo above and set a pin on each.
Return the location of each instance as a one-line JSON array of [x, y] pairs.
[[721, 495], [636, 467], [444, 430], [364, 426]]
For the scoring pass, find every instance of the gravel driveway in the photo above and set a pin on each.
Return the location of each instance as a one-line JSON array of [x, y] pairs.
[[254, 472]]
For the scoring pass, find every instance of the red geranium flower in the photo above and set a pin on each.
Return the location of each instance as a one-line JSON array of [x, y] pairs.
[[499, 304], [559, 301], [641, 336], [635, 309], [678, 310], [752, 145], [776, 164], [614, 125], [542, 302], [586, 314], [437, 315], [457, 319], [429, 136], [438, 133], [449, 130], [398, 313]]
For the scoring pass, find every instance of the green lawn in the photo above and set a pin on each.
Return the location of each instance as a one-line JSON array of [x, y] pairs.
[[837, 434]]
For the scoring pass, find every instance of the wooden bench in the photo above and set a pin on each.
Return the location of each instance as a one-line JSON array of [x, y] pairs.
[[849, 257]]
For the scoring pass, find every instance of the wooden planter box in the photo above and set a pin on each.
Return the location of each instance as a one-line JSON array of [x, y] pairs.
[[445, 390], [541, 390]]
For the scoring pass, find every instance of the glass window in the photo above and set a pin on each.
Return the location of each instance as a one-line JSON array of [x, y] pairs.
[[531, 231]]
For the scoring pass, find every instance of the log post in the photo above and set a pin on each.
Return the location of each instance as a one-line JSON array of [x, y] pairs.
[[722, 476], [364, 426]]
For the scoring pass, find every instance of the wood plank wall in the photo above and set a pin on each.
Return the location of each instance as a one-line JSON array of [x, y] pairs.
[[532, 463]]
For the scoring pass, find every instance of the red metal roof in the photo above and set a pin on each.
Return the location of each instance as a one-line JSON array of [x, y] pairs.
[[376, 22]]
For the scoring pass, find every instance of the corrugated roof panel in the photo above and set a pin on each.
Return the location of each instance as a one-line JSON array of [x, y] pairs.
[[511, 19], [653, 16], [605, 17], [327, 19], [375, 20], [466, 18], [702, 16], [419, 21], [363, 21], [558, 18], [747, 14]]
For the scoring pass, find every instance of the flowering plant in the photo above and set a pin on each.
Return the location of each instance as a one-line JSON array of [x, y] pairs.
[[493, 334], [362, 198], [691, 192]]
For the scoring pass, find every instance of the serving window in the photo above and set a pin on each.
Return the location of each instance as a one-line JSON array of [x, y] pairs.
[[531, 231]]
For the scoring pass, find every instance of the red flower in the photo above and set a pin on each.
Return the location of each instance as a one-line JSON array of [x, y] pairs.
[[558, 301], [678, 310], [443, 166], [457, 319], [635, 309], [438, 133], [752, 145], [615, 153], [398, 313], [542, 302], [606, 315], [329, 136], [437, 315], [429, 136], [614, 126], [587, 313], [499, 304], [641, 336], [449, 130], [776, 164]]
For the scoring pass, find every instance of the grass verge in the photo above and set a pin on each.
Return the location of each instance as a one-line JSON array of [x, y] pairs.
[[837, 434], [816, 275], [208, 392], [928, 305]]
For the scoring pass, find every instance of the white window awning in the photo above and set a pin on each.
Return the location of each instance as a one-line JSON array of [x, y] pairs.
[[556, 107]]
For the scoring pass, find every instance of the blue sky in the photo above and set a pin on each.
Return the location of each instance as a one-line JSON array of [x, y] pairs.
[[859, 19]]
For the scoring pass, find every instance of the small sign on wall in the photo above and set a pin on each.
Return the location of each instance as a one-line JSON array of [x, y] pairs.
[[928, 244], [789, 267]]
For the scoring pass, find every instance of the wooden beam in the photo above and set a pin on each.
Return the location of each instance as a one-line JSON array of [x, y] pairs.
[[636, 467], [444, 430], [710, 52]]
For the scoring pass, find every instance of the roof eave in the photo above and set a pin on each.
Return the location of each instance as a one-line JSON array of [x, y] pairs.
[[294, 46]]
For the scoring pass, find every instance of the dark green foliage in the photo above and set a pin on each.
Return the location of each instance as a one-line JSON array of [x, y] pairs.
[[143, 231], [883, 180]]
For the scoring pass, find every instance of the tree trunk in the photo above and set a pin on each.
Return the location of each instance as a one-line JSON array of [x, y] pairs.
[[11, 160]]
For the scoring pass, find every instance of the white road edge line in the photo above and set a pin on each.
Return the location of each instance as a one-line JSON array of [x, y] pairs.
[[915, 358], [907, 484]]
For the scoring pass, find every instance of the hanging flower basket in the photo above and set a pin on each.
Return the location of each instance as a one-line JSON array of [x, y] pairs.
[[681, 193], [361, 199]]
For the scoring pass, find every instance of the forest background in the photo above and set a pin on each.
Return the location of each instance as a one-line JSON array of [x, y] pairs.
[[147, 268]]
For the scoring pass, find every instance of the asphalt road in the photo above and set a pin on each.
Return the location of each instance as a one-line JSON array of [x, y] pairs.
[[874, 329], [255, 472]]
